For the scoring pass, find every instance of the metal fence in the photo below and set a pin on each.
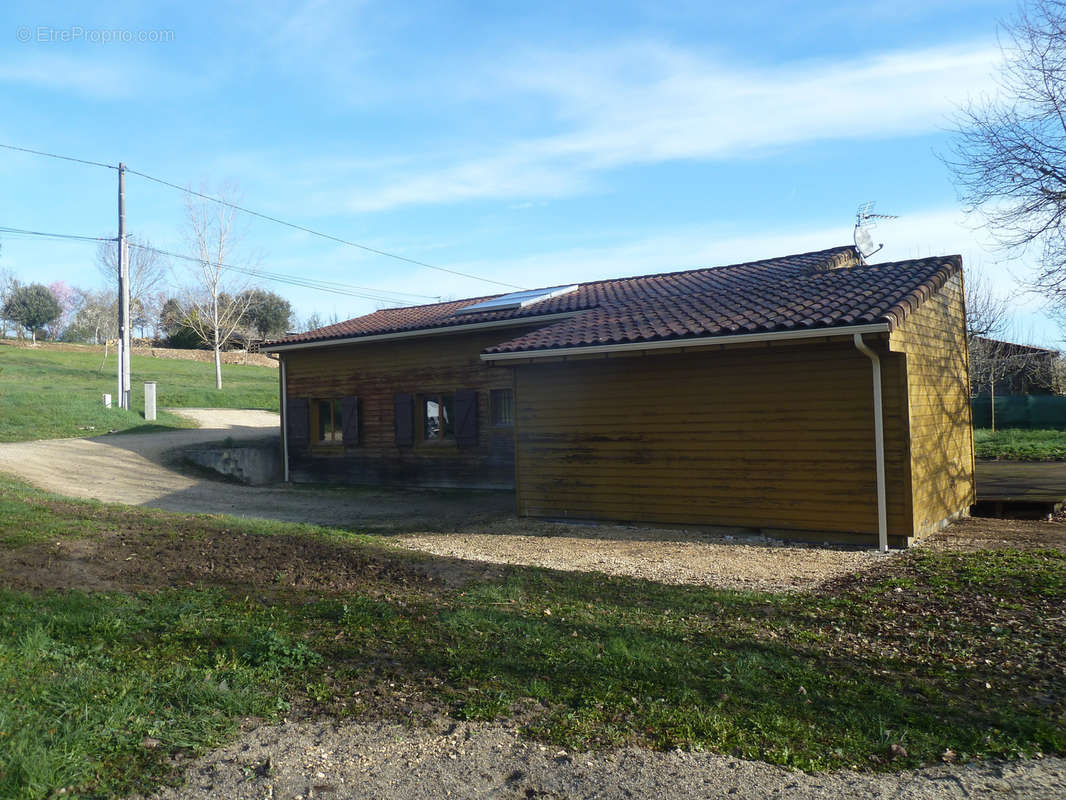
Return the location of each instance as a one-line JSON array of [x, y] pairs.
[[1031, 411]]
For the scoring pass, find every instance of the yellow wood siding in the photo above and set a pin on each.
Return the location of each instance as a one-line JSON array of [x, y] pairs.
[[934, 341], [775, 437], [375, 372]]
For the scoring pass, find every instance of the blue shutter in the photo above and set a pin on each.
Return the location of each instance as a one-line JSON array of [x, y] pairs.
[[298, 421], [404, 410], [466, 418], [350, 420]]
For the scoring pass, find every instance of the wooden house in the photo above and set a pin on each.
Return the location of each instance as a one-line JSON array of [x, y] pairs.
[[809, 396]]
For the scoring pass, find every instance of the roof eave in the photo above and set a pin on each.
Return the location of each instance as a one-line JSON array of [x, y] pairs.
[[510, 322], [702, 341]]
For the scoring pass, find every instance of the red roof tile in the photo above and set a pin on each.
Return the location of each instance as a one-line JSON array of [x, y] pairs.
[[824, 289], [858, 296], [617, 291]]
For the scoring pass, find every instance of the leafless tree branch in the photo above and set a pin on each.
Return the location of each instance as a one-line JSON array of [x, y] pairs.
[[1009, 156], [213, 304]]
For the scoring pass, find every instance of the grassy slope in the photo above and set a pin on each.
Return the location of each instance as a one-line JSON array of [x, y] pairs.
[[936, 653], [50, 393], [1020, 445]]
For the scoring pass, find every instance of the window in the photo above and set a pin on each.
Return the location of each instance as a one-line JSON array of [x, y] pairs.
[[438, 417], [503, 407], [328, 422]]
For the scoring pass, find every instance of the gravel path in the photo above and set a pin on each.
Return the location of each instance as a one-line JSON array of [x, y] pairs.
[[670, 556], [474, 760], [135, 469]]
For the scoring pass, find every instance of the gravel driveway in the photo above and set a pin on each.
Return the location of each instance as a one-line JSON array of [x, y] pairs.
[[135, 469]]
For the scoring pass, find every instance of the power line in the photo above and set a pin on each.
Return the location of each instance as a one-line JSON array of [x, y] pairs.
[[62, 158], [364, 293], [313, 232], [332, 287], [261, 216], [267, 217], [42, 234]]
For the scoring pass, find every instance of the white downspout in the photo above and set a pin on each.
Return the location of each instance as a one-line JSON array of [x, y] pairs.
[[879, 443], [284, 421]]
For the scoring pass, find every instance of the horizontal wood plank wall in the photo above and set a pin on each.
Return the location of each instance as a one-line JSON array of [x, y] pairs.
[[934, 340], [775, 437], [375, 373]]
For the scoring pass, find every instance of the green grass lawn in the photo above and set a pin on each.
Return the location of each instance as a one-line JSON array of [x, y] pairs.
[[100, 690], [1020, 445], [48, 393]]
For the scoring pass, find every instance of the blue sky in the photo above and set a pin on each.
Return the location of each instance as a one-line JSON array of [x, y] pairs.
[[534, 144]]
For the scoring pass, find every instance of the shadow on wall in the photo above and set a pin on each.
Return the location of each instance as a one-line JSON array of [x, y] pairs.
[[251, 463]]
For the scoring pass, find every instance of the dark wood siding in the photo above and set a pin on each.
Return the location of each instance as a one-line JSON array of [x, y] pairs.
[[777, 437], [377, 373]]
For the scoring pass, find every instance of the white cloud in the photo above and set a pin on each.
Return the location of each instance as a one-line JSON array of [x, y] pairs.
[[652, 103], [83, 76]]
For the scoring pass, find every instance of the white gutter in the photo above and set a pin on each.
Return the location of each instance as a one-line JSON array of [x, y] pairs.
[[879, 443], [703, 341], [284, 420], [510, 322]]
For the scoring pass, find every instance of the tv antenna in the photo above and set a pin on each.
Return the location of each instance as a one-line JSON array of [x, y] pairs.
[[865, 221]]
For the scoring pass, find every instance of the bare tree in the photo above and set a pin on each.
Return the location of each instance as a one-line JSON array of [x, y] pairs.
[[67, 297], [213, 305], [987, 311], [148, 269], [96, 318], [148, 313], [987, 316], [8, 283], [1009, 157]]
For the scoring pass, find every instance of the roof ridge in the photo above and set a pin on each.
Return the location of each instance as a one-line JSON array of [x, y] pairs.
[[759, 261], [838, 250]]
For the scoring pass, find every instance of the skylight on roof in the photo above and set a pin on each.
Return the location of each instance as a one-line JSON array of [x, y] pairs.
[[517, 299]]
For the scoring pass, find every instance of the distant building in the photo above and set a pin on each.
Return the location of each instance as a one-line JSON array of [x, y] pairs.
[[1005, 368]]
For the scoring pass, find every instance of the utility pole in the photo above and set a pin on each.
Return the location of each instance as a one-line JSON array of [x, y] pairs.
[[123, 296]]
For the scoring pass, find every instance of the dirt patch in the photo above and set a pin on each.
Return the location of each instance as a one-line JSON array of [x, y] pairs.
[[190, 553], [228, 357], [470, 760], [983, 533]]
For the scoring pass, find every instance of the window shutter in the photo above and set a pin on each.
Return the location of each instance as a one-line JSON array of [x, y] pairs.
[[404, 409], [466, 418], [298, 421], [350, 420]]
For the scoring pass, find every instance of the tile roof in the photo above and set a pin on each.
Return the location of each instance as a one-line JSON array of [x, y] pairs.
[[823, 289], [839, 298], [588, 295]]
